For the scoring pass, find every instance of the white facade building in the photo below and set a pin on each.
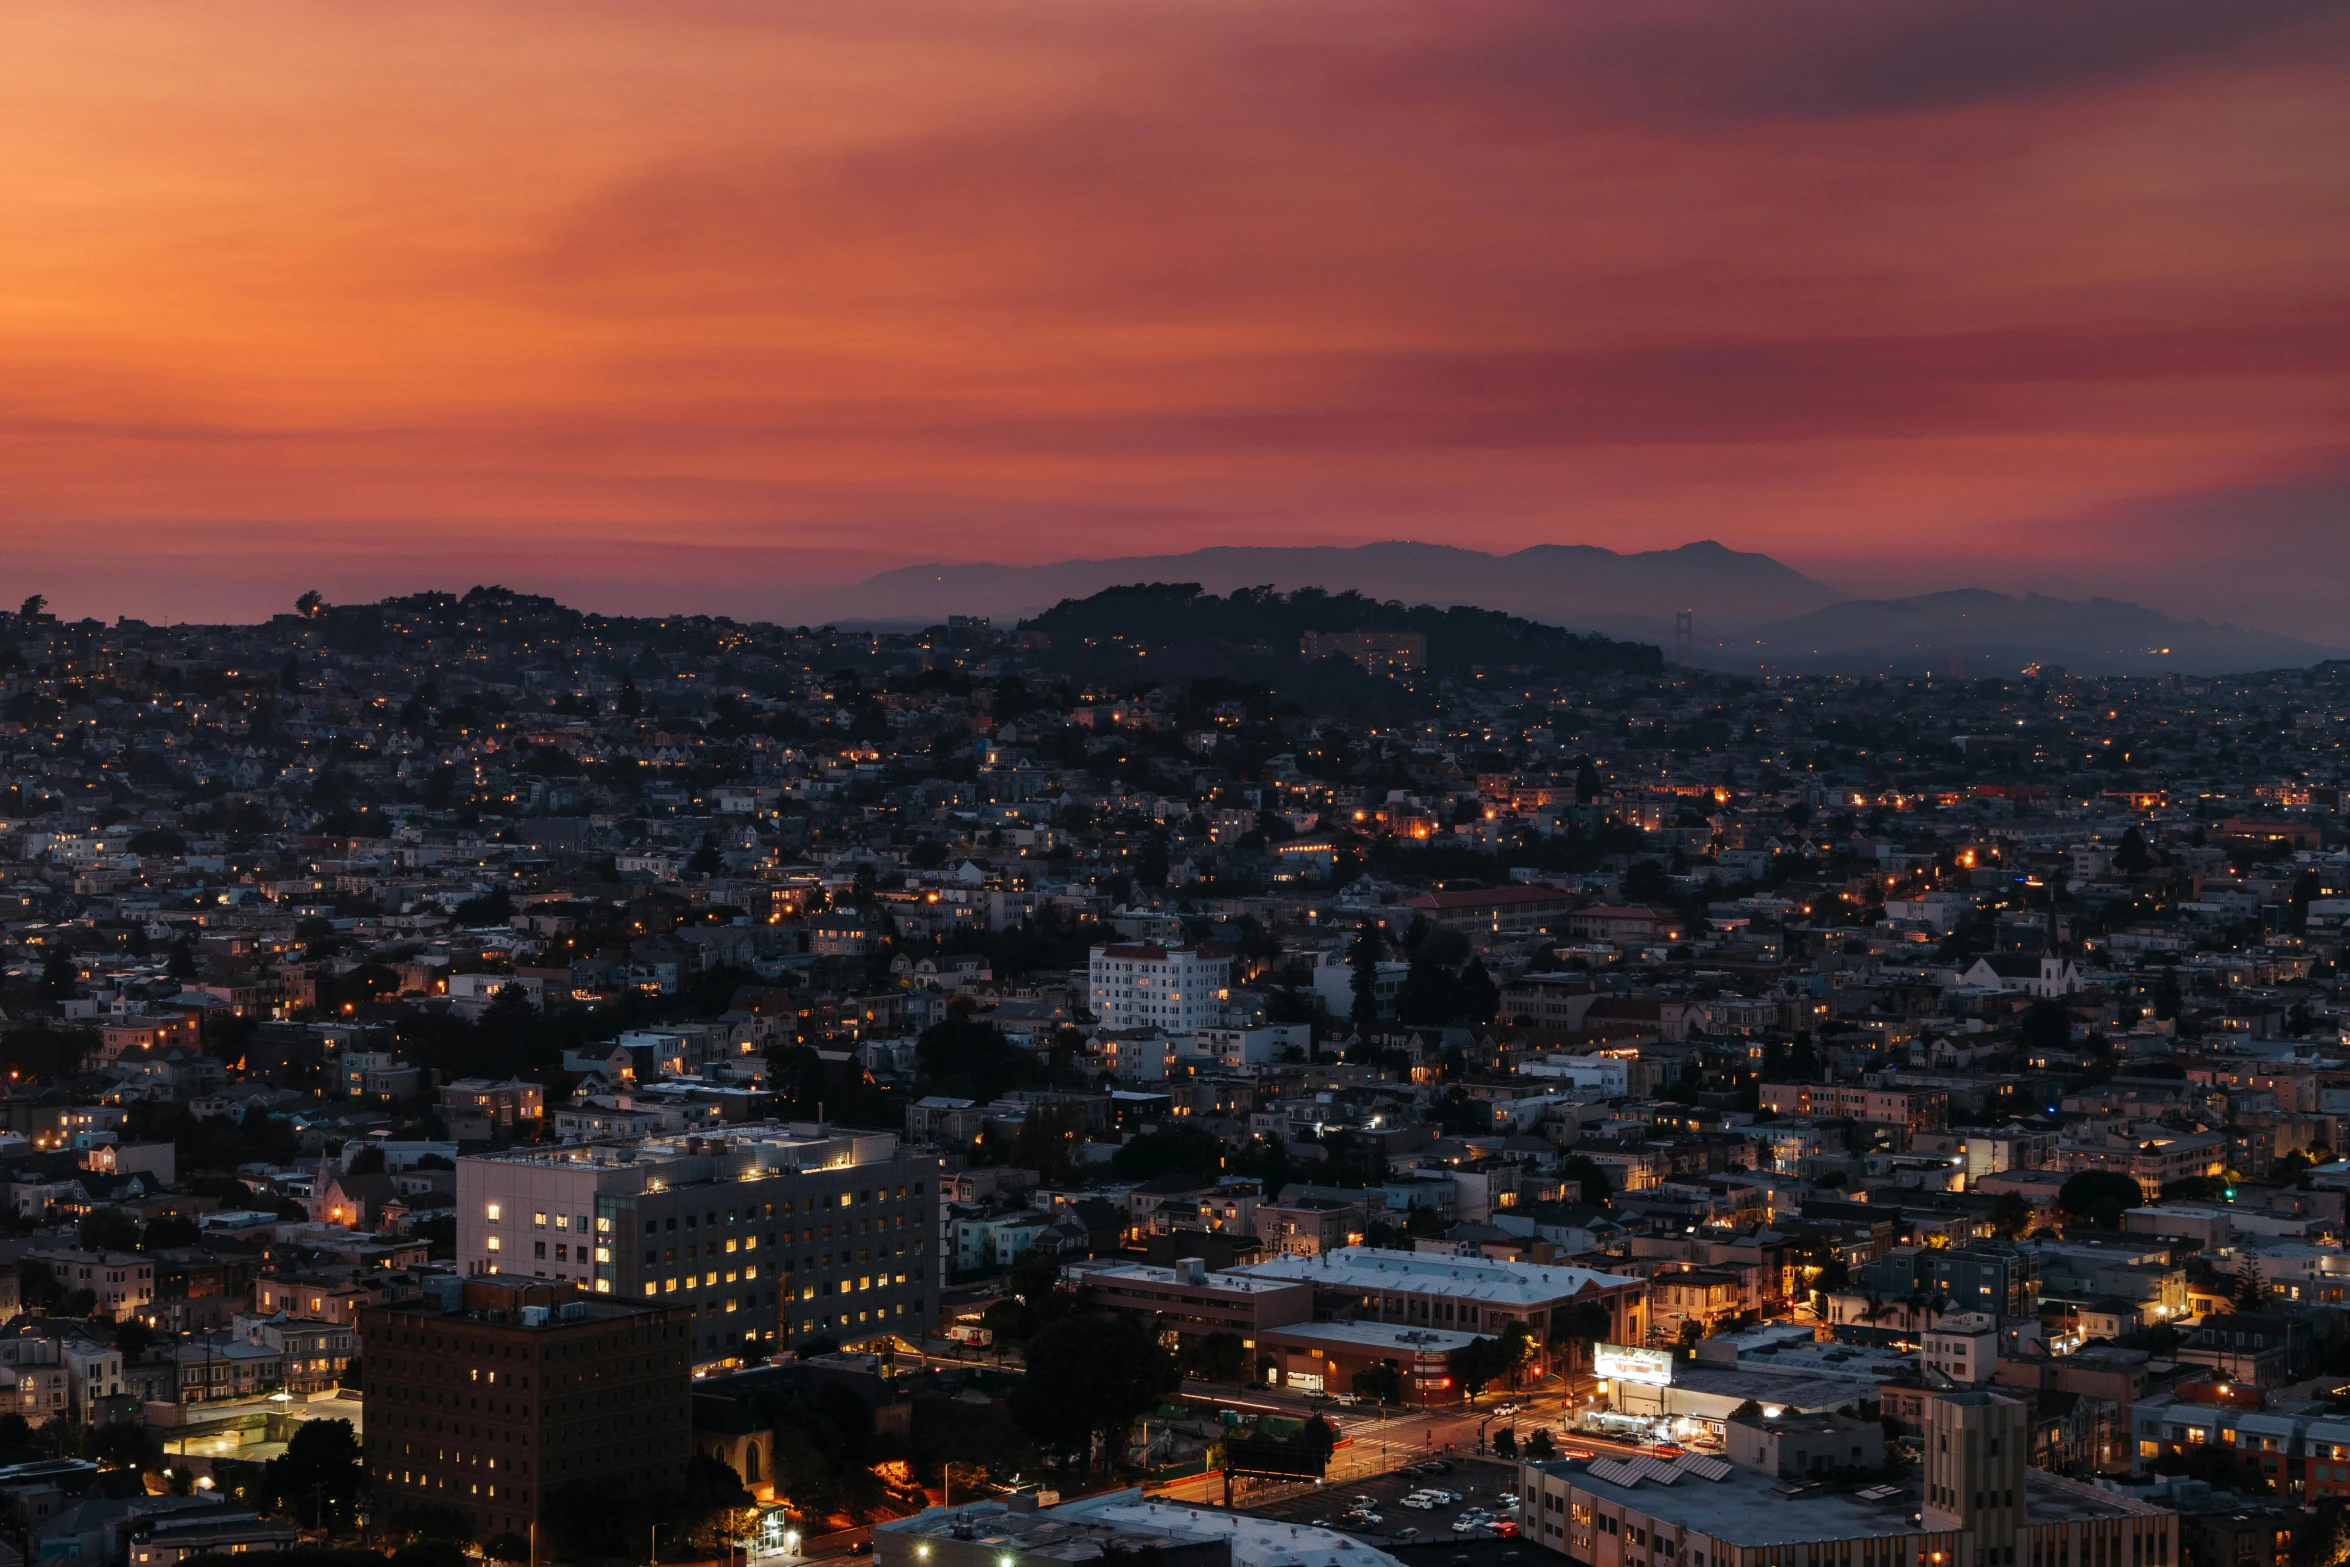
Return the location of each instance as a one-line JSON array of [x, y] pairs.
[[1239, 1049], [1177, 989]]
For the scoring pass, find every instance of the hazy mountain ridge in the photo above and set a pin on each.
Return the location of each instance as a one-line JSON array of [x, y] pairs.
[[1754, 614], [1557, 583]]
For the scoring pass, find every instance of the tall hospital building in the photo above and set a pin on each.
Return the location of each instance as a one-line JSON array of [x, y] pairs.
[[766, 1235]]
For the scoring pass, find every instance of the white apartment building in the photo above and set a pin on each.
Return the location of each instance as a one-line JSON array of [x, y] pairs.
[[1963, 1347], [1239, 1049], [1177, 989]]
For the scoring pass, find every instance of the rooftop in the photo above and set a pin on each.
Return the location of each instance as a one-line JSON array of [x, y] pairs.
[[1747, 1507], [1468, 1278], [743, 1151], [1256, 1542], [1234, 1283], [1088, 1530], [1378, 1335]]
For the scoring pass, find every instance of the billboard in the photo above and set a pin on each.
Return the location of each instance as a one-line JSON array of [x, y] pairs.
[[1277, 1460], [1621, 1363]]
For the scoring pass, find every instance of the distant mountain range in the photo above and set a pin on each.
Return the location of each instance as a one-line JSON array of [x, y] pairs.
[[1564, 584], [1754, 614]]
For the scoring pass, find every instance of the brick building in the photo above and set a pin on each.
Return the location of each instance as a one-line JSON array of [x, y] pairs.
[[494, 1396]]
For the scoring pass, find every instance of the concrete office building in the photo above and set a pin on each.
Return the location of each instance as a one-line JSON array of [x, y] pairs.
[[492, 1395], [1187, 1302], [766, 1235]]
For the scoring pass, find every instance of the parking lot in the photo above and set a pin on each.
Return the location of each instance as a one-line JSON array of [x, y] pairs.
[[1479, 1482]]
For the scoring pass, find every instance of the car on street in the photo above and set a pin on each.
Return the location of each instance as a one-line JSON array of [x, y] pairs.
[[1404, 1536]]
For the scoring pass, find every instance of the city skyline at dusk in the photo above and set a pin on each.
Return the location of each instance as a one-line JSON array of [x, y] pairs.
[[704, 306]]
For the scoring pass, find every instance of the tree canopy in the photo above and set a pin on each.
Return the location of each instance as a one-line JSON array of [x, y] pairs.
[[2100, 1197], [1090, 1376]]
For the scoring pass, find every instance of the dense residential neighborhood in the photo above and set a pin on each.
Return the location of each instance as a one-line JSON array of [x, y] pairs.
[[829, 1075]]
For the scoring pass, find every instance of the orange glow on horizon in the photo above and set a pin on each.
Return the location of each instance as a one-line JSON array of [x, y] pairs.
[[683, 306]]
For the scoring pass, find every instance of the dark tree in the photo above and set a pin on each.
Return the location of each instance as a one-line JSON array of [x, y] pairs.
[[1362, 957], [1178, 1148], [2130, 856], [972, 1060], [1090, 1376], [1218, 1357], [2046, 1026], [107, 1229], [319, 1477], [1382, 1383], [2099, 1198]]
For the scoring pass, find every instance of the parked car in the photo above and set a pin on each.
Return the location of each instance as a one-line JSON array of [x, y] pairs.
[[1404, 1536], [1419, 1504], [1504, 1528]]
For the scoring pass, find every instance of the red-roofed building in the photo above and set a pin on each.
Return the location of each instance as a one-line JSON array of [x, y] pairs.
[[1625, 922], [1494, 911]]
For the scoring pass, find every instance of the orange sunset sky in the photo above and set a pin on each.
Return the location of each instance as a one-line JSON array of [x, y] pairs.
[[706, 306]]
